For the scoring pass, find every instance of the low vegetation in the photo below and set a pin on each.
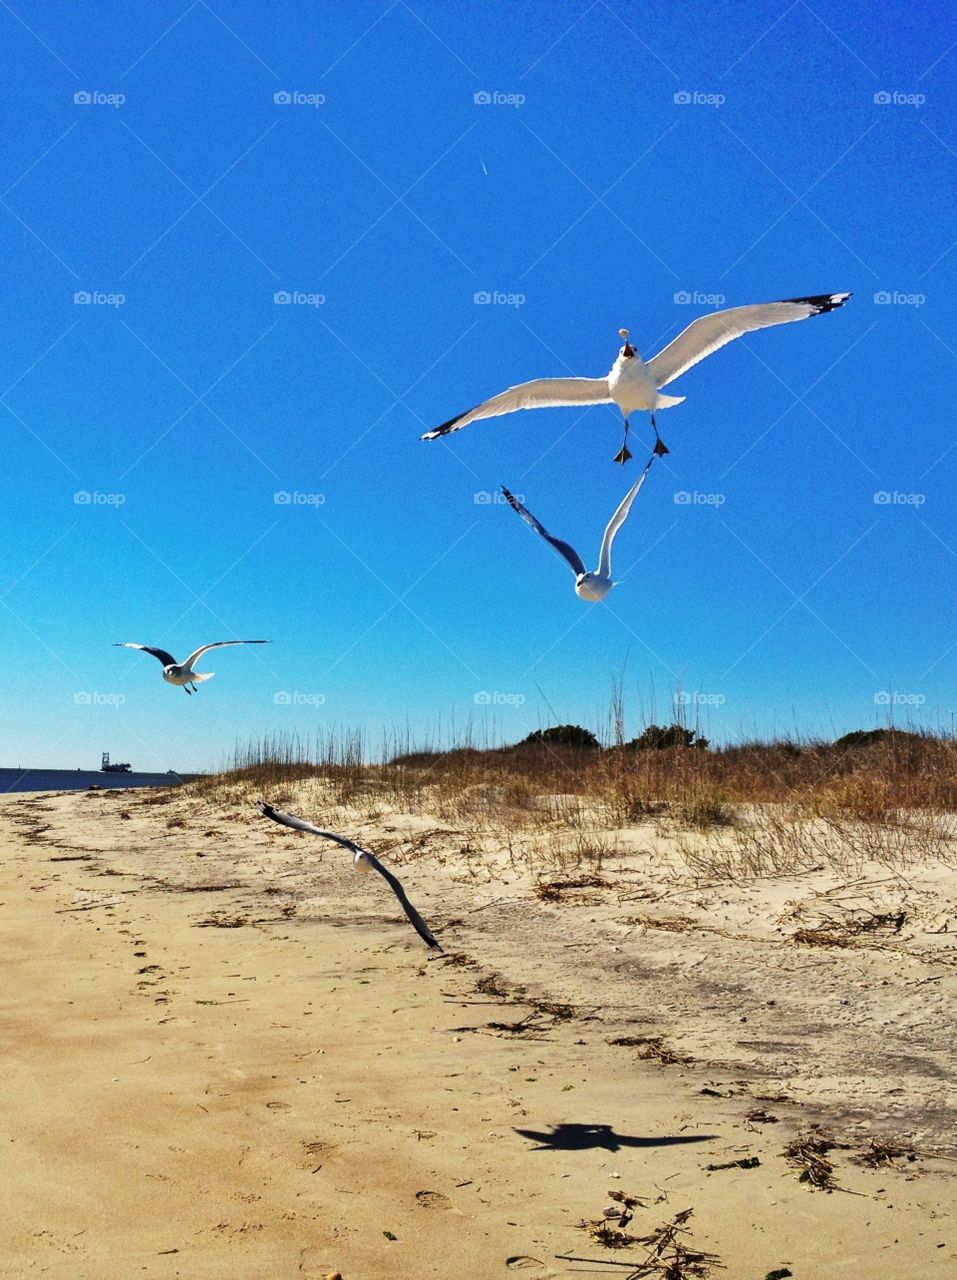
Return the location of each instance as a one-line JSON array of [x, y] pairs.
[[736, 812]]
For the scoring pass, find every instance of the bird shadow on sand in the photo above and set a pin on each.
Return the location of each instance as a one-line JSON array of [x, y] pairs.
[[584, 1137]]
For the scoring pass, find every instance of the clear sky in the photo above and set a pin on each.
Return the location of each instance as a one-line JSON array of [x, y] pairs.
[[385, 164]]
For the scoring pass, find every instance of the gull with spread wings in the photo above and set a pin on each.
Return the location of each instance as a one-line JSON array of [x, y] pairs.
[[362, 860], [634, 385], [182, 673], [588, 586]]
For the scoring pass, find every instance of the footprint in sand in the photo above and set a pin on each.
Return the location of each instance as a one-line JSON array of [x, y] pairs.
[[433, 1200]]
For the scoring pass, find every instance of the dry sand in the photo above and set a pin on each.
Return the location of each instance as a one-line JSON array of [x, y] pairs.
[[225, 1055]]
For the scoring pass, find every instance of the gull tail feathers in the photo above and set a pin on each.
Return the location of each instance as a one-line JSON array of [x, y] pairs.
[[668, 402]]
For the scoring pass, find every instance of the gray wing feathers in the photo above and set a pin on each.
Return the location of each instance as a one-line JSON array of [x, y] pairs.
[[167, 659], [300, 824], [618, 519], [540, 393], [220, 644], [563, 549], [709, 333], [418, 924]]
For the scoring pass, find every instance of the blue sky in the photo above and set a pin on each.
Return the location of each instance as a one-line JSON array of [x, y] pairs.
[[590, 166]]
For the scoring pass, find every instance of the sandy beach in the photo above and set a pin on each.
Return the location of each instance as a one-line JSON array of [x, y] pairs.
[[227, 1055]]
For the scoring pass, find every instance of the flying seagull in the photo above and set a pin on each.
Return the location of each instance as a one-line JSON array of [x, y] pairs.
[[362, 860], [588, 586], [632, 384], [182, 673]]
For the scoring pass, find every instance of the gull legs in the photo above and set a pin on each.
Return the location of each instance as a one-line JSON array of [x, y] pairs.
[[660, 447], [625, 453]]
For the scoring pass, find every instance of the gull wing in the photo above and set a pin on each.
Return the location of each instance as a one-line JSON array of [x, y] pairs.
[[220, 644], [708, 333], [167, 659], [299, 824], [418, 924], [542, 393], [563, 549], [618, 519]]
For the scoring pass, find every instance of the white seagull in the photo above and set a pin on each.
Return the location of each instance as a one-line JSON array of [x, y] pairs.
[[182, 673], [588, 586], [632, 384], [362, 860]]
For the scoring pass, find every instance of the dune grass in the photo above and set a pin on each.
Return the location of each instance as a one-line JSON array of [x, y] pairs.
[[736, 812]]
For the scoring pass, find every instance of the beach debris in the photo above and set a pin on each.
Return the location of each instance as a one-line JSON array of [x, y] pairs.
[[880, 1152], [552, 890], [748, 1162], [852, 930], [390, 1235], [221, 920], [652, 1047], [606, 1233], [781, 1273], [760, 1116], [609, 1229], [668, 1256], [808, 1152]]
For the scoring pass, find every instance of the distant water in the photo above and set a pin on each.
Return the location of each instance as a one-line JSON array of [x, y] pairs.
[[79, 779]]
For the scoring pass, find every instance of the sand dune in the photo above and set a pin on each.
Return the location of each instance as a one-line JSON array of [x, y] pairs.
[[226, 1054]]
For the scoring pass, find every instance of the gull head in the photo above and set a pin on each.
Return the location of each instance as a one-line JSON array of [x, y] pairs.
[[627, 350], [592, 587]]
